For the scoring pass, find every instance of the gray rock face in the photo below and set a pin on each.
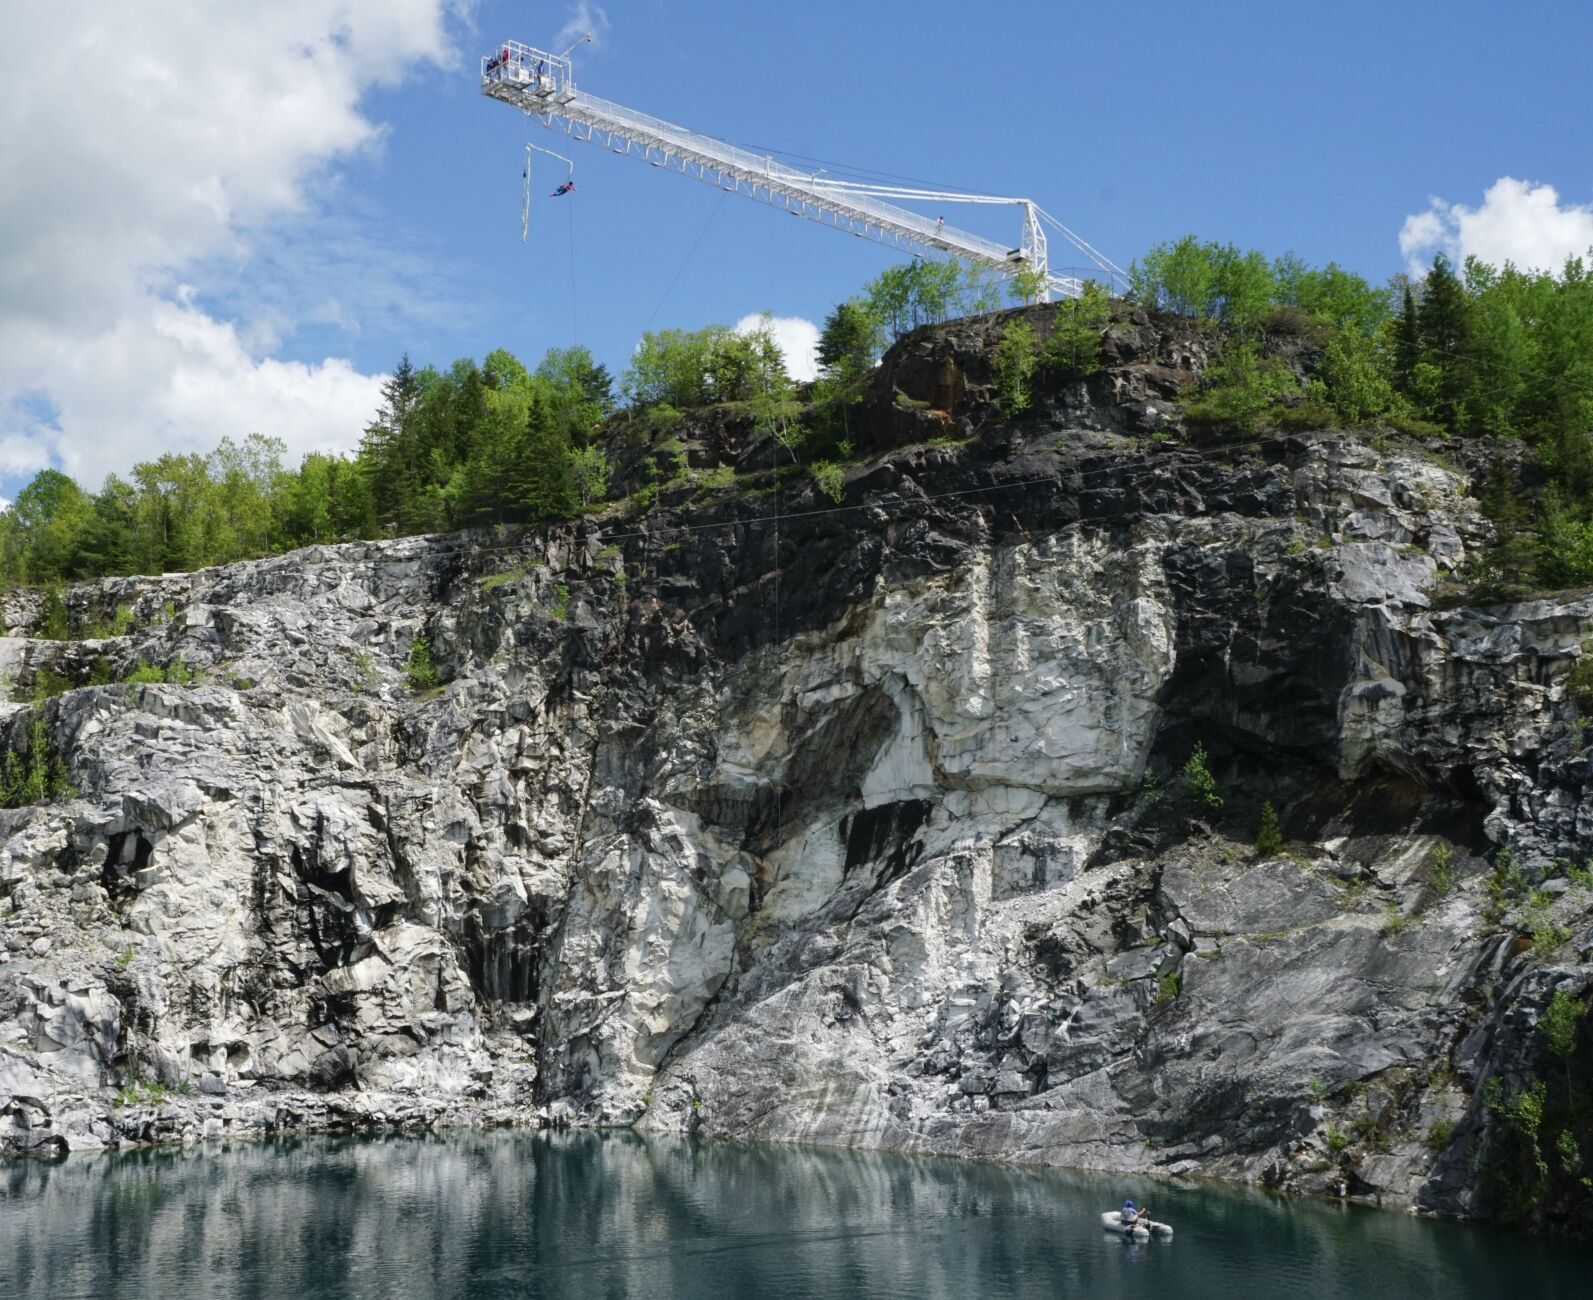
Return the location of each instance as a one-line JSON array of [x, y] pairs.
[[864, 829]]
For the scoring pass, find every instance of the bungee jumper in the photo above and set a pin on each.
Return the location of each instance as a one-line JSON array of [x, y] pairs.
[[525, 178]]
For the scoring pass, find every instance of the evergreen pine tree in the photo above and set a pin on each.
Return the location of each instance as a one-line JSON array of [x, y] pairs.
[[1444, 327], [542, 483], [1407, 345], [387, 452]]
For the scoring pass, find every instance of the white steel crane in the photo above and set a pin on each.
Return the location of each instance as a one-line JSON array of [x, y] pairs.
[[542, 85]]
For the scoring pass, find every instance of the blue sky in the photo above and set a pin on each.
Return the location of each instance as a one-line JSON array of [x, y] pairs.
[[306, 248], [1133, 123]]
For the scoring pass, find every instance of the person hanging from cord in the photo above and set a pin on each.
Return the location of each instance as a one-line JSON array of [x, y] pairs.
[[563, 189]]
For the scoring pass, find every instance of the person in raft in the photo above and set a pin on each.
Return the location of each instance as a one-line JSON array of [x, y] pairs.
[[1131, 1216]]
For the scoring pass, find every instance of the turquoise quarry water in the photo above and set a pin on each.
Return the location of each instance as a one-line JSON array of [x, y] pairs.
[[505, 1214]]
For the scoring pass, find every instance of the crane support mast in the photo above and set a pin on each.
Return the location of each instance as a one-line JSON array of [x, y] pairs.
[[542, 85]]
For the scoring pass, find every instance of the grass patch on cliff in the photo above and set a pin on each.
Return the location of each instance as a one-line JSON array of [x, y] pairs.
[[717, 479], [175, 673], [141, 1092], [495, 580], [1548, 937]]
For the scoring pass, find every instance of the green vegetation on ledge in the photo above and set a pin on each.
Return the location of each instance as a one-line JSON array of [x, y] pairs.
[[1497, 356]]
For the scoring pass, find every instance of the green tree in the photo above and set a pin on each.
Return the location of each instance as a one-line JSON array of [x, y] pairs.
[[1179, 277], [1239, 389], [54, 624], [591, 472], [1027, 284], [1501, 364], [1013, 370], [389, 450], [36, 773], [46, 527], [542, 483], [980, 292], [1199, 781], [850, 341], [1241, 287], [692, 368], [917, 293], [1407, 350], [1330, 294], [1353, 377], [248, 491], [1444, 328], [1269, 835], [1074, 349], [1561, 1027], [174, 513], [580, 391], [749, 364], [419, 671]]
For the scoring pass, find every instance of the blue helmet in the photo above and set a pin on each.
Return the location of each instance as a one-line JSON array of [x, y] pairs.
[[1128, 1205]]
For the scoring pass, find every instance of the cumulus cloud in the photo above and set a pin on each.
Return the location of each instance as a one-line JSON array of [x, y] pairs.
[[1518, 222], [797, 337], [139, 144]]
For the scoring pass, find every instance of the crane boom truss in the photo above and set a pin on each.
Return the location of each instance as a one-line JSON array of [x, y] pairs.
[[542, 85]]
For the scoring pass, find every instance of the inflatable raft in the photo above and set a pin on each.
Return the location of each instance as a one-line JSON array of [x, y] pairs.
[[1140, 1230]]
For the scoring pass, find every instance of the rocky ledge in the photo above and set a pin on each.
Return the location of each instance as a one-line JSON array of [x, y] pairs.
[[874, 826]]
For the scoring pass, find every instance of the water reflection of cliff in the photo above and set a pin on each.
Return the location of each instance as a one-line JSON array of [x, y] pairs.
[[623, 1216]]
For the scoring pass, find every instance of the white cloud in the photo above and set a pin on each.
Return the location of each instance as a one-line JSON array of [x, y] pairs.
[[140, 143], [171, 377], [582, 18], [797, 337], [1518, 222]]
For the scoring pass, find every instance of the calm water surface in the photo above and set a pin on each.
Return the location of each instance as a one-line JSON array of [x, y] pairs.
[[505, 1214]]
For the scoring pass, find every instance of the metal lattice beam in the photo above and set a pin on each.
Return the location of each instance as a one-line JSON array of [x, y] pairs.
[[542, 85]]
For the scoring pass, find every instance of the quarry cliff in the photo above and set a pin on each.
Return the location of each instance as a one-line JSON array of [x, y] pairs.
[[925, 818]]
